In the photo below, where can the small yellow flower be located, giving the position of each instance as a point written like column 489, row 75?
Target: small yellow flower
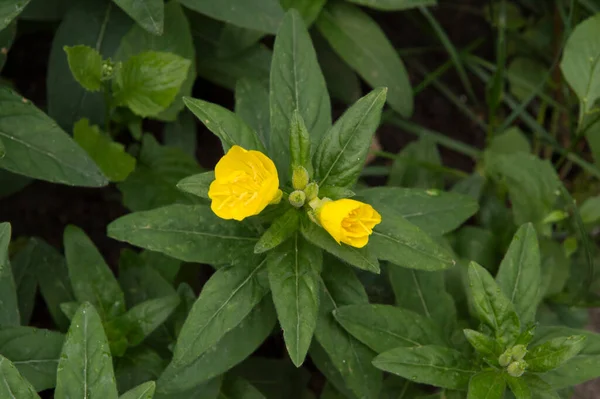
column 349, row 221
column 245, row 183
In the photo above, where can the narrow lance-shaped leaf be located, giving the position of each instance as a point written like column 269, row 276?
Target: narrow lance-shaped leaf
column 252, row 105
column 12, row 384
column 9, row 311
column 24, row 273
column 143, row 391
column 280, row 230
column 297, row 84
column 487, row 385
column 553, row 353
column 519, row 387
column 10, row 9
column 300, row 148
column 342, row 153
column 197, row 184
column 294, row 270
column 85, row 369
column 519, row 275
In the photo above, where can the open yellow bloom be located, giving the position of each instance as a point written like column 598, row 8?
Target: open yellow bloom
column 349, row 221
column 245, row 183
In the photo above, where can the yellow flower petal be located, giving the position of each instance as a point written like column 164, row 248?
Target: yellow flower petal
column 245, row 183
column 349, row 221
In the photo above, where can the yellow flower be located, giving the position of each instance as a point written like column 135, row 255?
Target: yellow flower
column 245, row 183
column 349, row 221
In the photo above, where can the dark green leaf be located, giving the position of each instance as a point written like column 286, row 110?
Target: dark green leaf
column 342, row 152
column 38, row 148
column 137, row 366
column 264, row 15
column 416, row 166
column 85, row 368
column 432, row 365
column 46, row 10
column 300, row 146
column 13, row 385
column 297, row 84
column 477, row 244
column 252, row 105
column 226, row 125
column 487, row 385
column 95, row 23
column 10, row 9
column 492, row 306
column 404, row 244
column 23, row 270
column 109, row 155
column 189, row 233
column 9, row 311
column 149, row 14
column 238, row 388
column 197, row 184
column 294, row 270
column 384, row 327
column 394, row 5
column 363, row 258
column 205, row 390
column 35, row 353
column 553, row 353
column 235, row 39
column 275, row 378
column 144, row 391
column 308, row 9
column 139, row 280
column 85, row 64
column 519, row 275
column 181, row 134
column 359, row 40
column 280, row 230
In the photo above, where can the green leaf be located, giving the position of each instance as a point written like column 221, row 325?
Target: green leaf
column 486, row 346
column 294, row 270
column 92, row 279
column 360, row 42
column 404, row 244
column 296, row 84
column 492, row 306
column 309, row 10
column 85, row 64
column 436, row 214
column 234, row 347
column 342, row 153
column 34, row 352
column 363, row 258
column 394, row 5
column 238, row 388
column 300, row 146
column 24, row 274
column 144, row 391
column 181, row 134
column 45, row 10
column 38, row 148
column 85, row 368
column 109, row 155
column 553, row 353
column 138, row 366
column 264, row 16
column 176, row 39
column 189, row 233
column 9, row 312
column 153, row 183
column 487, row 385
column 53, row 278
column 234, row 40
column 95, row 23
column 415, row 166
column 590, row 210
column 519, row 275
column 148, row 82
column 9, row 10
column 432, row 365
column 384, row 327
column 510, row 141
column 197, row 184
column 13, row 385
column 226, row 125
column 280, row 230
column 525, row 75
column 206, row 390
column 226, row 300
column 424, row 293
column 518, row 386
column 532, row 184
column 477, row 244
column 252, row 105
column 350, row 358
column 580, row 62
column 149, row 14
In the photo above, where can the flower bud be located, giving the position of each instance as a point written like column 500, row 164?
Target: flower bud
column 516, row 369
column 505, row 359
column 311, row 191
column 299, row 178
column 297, row 198
column 518, row 352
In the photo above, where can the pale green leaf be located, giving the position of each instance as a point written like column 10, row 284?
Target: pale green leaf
column 487, row 385
column 86, row 66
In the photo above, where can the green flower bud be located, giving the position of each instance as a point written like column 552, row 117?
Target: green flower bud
column 518, row 352
column 505, row 359
column 311, row 191
column 108, row 68
column 299, row 178
column 516, row 369
column 297, row 198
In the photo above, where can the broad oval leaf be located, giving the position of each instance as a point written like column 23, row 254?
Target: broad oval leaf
column 296, row 84
column 85, row 64
column 38, row 148
column 553, row 353
column 487, row 385
column 294, row 270
column 144, row 391
column 13, row 385
column 85, row 369
column 362, row 44
column 189, row 233
column 519, row 275
column 432, row 365
column 9, row 311
column 149, row 14
column 385, row 327
column 342, row 152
